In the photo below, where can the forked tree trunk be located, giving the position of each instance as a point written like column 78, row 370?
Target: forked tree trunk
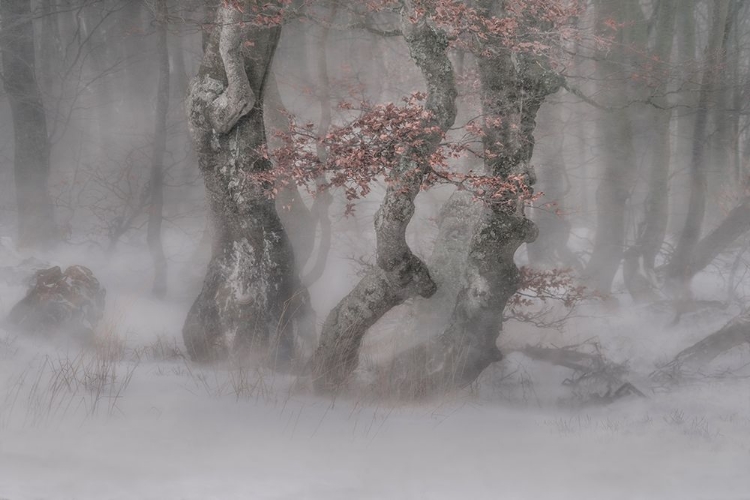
column 156, row 183
column 251, row 296
column 512, row 87
column 36, row 224
column 398, row 274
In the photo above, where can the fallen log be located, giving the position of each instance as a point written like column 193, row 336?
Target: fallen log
column 731, row 335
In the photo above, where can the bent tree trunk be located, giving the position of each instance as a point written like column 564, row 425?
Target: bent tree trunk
column 36, row 224
column 399, row 274
column 251, row 296
column 512, row 87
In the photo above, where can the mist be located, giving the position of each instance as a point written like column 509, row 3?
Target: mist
column 374, row 249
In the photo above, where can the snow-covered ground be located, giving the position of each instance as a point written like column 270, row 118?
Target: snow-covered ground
column 163, row 428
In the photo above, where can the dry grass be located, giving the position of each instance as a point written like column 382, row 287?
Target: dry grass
column 52, row 387
column 91, row 381
column 162, row 348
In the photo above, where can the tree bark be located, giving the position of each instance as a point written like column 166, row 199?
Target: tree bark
column 251, row 297
column 156, row 184
column 398, row 274
column 36, row 224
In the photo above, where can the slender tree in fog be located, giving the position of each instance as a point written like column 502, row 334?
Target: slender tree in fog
column 36, row 223
column 156, row 180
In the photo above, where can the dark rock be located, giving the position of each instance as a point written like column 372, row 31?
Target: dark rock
column 70, row 301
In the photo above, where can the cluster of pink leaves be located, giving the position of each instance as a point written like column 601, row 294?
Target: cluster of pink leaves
column 369, row 147
column 365, row 149
column 532, row 26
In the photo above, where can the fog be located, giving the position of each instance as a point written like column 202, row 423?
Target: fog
column 374, row 249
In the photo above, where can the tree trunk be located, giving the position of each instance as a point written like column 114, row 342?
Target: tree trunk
column 619, row 170
column 612, row 198
column 300, row 221
column 156, row 205
column 734, row 225
column 678, row 271
column 50, row 50
column 251, row 296
column 36, row 224
column 551, row 247
column 638, row 269
column 296, row 217
column 398, row 274
column 686, row 58
column 512, row 87
column 718, row 163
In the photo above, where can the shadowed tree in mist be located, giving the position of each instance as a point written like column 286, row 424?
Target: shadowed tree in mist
column 36, row 224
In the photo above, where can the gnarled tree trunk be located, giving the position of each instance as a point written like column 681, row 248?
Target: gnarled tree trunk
column 398, row 274
column 251, row 296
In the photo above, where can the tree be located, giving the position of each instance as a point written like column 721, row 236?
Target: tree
column 36, row 224
column 251, row 295
column 399, row 274
column 156, row 183
column 619, row 169
column 515, row 79
column 653, row 229
column 679, row 271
